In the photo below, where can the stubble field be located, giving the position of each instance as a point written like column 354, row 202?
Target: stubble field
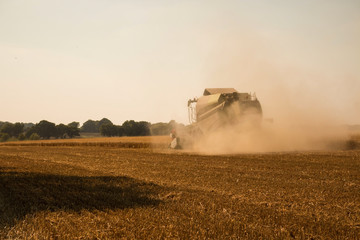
column 137, row 189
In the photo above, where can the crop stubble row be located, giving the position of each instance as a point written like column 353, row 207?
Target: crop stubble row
column 97, row 191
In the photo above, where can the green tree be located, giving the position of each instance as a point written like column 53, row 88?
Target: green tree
column 27, row 126
column 13, row 130
column 104, row 121
column 120, row 131
column 46, row 129
column 4, row 137
column 61, row 130
column 7, row 128
column 30, row 131
column 18, row 129
column 73, row 129
column 132, row 128
column 128, row 127
column 90, row 126
column 143, row 128
column 21, row 137
column 74, row 124
column 34, row 136
column 109, row 130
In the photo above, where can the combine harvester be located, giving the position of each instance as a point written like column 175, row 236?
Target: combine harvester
column 218, row 108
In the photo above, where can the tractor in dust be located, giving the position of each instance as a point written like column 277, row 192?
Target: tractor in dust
column 216, row 109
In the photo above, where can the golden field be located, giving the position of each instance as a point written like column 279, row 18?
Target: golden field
column 135, row 188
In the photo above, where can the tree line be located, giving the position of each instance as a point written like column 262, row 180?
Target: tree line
column 42, row 130
column 46, row 130
column 129, row 128
column 106, row 128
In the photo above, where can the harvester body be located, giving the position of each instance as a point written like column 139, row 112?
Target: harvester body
column 221, row 107
column 218, row 108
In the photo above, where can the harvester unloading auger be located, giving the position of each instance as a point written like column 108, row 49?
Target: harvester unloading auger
column 216, row 109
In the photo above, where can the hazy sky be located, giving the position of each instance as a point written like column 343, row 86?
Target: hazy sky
column 69, row 61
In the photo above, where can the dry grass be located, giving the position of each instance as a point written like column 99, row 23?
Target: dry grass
column 101, row 191
column 123, row 142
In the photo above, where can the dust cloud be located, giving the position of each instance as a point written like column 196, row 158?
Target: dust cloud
column 305, row 106
column 270, row 137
